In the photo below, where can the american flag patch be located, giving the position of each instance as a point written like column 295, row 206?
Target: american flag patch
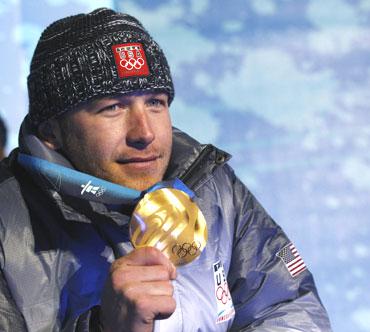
column 292, row 260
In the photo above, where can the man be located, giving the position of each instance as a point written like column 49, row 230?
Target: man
column 100, row 90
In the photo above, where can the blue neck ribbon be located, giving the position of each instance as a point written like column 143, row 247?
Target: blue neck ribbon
column 85, row 186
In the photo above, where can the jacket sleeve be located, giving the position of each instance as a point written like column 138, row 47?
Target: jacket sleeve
column 10, row 317
column 86, row 322
column 265, row 295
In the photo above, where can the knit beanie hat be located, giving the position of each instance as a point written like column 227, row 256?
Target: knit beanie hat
column 87, row 56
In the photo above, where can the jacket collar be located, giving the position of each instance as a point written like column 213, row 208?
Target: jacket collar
column 192, row 162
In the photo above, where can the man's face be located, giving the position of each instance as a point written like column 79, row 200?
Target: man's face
column 124, row 139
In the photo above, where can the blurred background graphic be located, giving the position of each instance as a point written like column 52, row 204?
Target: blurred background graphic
column 284, row 86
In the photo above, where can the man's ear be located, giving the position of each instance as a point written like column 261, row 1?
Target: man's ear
column 50, row 134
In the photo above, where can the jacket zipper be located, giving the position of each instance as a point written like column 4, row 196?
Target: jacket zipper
column 195, row 172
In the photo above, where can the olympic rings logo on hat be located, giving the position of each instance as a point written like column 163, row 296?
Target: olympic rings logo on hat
column 132, row 63
column 130, row 60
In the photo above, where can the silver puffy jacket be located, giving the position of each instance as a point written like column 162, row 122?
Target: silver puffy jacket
column 56, row 253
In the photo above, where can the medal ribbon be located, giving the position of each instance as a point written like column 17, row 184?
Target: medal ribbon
column 81, row 185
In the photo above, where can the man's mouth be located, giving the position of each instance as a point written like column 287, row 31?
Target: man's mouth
column 139, row 159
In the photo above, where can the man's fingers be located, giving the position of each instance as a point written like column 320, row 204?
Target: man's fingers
column 147, row 256
column 156, row 307
column 134, row 290
column 123, row 273
column 138, row 290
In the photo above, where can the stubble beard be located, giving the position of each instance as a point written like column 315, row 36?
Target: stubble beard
column 111, row 171
column 139, row 181
column 84, row 161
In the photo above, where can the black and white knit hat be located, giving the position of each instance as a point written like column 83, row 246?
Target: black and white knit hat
column 88, row 56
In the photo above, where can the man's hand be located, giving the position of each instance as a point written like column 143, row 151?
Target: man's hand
column 138, row 290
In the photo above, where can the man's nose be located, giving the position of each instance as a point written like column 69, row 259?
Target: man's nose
column 140, row 133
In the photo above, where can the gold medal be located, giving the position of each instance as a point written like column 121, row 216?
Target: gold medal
column 170, row 221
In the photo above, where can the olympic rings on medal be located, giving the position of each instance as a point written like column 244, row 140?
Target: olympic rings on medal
column 223, row 294
column 186, row 249
column 132, row 63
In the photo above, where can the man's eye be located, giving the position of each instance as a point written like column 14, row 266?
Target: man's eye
column 156, row 102
column 111, row 108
